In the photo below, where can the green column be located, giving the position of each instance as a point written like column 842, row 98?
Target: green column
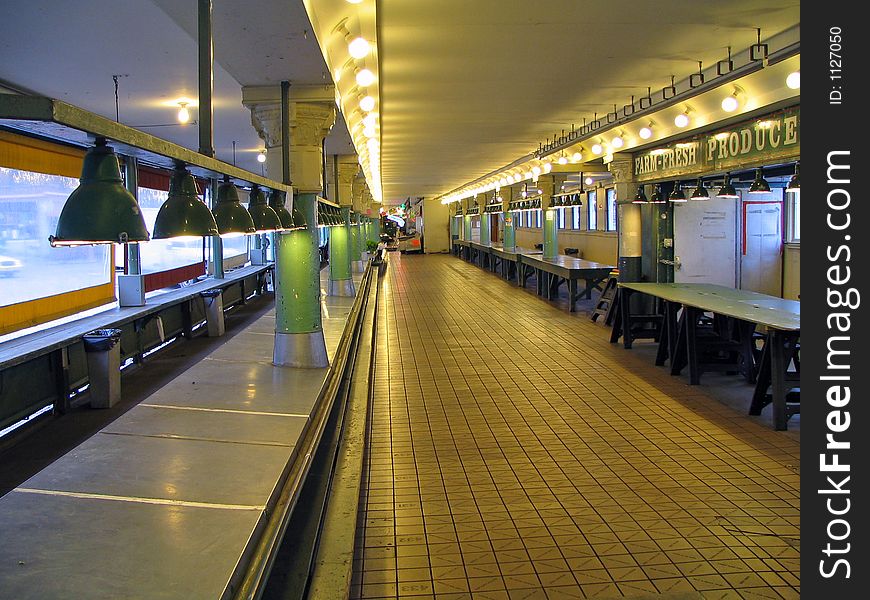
column 356, row 260
column 510, row 232
column 550, row 225
column 466, row 227
column 298, row 327
column 453, row 228
column 485, row 236
column 374, row 230
column 340, row 248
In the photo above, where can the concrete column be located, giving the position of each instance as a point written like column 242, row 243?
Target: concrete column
column 298, row 327
column 629, row 218
column 340, row 279
column 550, row 218
column 509, row 235
column 485, row 221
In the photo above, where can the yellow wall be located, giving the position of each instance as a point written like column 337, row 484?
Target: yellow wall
column 791, row 275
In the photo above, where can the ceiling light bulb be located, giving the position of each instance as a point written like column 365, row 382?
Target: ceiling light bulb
column 548, row 166
column 354, row 1
column 336, row 75
column 645, row 133
column 183, row 113
column 563, row 160
column 730, row 103
column 536, row 170
column 358, row 48
column 793, row 81
column 588, row 181
column 597, row 149
column 369, row 120
column 365, row 78
column 617, row 142
column 681, row 120
column 369, row 132
column 527, row 175
column 577, row 157
column 261, row 157
column 367, row 104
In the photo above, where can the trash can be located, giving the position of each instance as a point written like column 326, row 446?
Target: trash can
column 103, row 354
column 214, row 312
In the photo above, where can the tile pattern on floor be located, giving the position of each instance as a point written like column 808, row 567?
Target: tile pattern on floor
column 515, row 453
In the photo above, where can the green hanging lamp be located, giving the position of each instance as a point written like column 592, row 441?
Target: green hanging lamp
column 640, row 196
column 276, row 201
column 299, row 220
column 100, row 210
column 183, row 215
column 727, row 190
column 700, row 192
column 265, row 219
column 677, row 194
column 760, row 185
column 231, row 217
column 657, row 196
column 794, row 184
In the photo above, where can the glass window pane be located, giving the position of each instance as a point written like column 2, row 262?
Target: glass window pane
column 162, row 255
column 796, row 216
column 538, row 218
column 30, row 204
column 575, row 217
column 611, row 209
column 592, row 211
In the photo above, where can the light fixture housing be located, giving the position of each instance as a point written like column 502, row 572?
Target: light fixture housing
column 700, row 192
column 640, row 196
column 231, row 217
column 759, row 185
column 183, row 214
column 727, row 190
column 677, row 194
column 265, row 219
column 276, row 201
column 100, row 210
column 794, row 184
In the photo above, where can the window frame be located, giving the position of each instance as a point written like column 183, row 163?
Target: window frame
column 592, row 210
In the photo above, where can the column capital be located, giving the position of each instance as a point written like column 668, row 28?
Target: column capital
column 348, row 167
column 622, row 168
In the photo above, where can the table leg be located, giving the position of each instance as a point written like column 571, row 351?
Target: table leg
column 664, row 338
column 777, row 342
column 678, row 351
column 691, row 316
column 625, row 309
column 572, row 295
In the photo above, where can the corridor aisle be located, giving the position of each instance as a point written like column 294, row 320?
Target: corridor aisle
column 515, row 453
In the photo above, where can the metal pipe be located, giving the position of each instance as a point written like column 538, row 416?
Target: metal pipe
column 285, row 132
column 131, row 182
column 206, row 78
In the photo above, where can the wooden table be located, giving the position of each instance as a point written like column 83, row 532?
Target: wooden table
column 680, row 342
column 552, row 272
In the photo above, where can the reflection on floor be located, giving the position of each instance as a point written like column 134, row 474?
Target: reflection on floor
column 515, row 453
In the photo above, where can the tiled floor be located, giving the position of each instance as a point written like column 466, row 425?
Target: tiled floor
column 515, row 453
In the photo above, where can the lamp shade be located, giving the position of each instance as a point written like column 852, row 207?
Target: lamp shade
column 759, row 185
column 658, row 197
column 677, row 194
column 100, row 210
column 727, row 190
column 299, row 220
column 700, row 191
column 231, row 217
column 640, row 196
column 794, row 184
column 276, row 201
column 183, row 214
column 265, row 219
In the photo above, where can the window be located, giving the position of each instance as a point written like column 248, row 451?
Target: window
column 561, row 223
column 30, row 204
column 575, row 217
column 538, row 218
column 610, row 196
column 793, row 201
column 592, row 211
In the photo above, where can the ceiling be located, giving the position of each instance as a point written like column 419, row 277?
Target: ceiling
column 464, row 92
column 465, row 88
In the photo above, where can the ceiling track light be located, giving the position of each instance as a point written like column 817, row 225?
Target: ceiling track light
column 677, row 194
column 640, row 196
column 759, row 185
column 727, row 190
column 700, row 192
column 794, row 184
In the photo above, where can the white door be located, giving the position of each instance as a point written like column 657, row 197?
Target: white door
column 761, row 256
column 705, row 246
